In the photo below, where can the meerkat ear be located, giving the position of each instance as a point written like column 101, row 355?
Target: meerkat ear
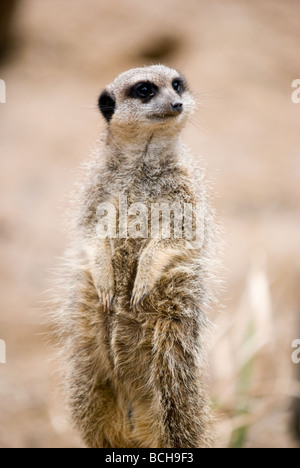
column 107, row 105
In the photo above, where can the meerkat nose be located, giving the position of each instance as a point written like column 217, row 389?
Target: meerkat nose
column 177, row 107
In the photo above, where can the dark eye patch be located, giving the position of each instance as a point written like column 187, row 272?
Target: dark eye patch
column 144, row 90
column 178, row 85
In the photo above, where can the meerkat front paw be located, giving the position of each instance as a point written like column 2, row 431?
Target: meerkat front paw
column 105, row 287
column 106, row 298
column 142, row 287
column 138, row 295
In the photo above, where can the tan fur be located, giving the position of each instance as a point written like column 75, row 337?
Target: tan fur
column 132, row 321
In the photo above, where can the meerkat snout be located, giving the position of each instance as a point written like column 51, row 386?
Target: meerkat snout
column 177, row 106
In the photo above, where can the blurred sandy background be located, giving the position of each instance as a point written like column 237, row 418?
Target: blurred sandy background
column 240, row 58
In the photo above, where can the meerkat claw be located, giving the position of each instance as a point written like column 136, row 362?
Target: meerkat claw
column 133, row 299
column 138, row 297
column 106, row 300
column 142, row 299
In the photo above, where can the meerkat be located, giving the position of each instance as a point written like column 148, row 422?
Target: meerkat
column 133, row 318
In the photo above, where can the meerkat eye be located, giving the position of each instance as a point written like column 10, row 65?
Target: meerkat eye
column 178, row 85
column 144, row 90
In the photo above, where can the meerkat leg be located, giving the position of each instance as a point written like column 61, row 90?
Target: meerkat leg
column 154, row 260
column 102, row 272
column 184, row 409
column 98, row 415
column 99, row 409
column 175, row 412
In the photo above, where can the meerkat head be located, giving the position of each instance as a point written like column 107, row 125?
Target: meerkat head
column 147, row 100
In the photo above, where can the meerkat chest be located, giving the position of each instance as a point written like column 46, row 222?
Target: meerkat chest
column 156, row 187
column 145, row 208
